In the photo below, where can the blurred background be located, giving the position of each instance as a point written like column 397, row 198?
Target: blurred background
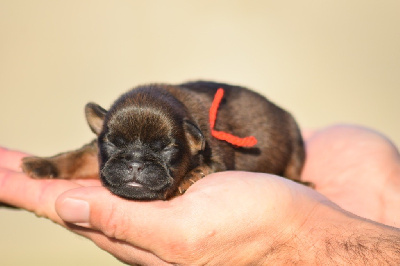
column 325, row 61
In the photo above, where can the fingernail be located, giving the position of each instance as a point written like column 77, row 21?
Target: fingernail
column 74, row 211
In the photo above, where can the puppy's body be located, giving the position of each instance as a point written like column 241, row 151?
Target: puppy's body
column 156, row 140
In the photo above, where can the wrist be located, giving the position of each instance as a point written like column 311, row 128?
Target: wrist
column 332, row 235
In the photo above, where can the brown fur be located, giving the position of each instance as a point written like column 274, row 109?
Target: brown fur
column 149, row 113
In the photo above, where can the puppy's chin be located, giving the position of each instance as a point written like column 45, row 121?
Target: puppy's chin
column 135, row 191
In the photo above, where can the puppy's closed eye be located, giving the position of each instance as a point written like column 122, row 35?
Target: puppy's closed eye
column 161, row 145
column 117, row 141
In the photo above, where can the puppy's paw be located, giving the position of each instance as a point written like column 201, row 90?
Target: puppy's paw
column 192, row 177
column 37, row 167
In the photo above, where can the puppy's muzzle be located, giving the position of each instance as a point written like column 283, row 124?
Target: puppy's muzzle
column 135, row 169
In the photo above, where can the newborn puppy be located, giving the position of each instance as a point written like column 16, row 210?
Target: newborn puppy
column 156, row 140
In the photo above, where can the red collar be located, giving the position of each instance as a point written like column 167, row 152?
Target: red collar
column 240, row 142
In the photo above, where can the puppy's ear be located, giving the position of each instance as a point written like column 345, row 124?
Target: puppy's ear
column 95, row 117
column 194, row 136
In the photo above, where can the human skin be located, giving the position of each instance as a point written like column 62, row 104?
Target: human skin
column 358, row 169
column 239, row 217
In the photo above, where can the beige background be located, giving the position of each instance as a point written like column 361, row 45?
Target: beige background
column 325, row 61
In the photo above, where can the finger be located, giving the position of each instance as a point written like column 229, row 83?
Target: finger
column 135, row 222
column 121, row 250
column 34, row 195
column 10, row 159
column 39, row 196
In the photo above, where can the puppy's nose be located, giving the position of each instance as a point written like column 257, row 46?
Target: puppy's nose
column 135, row 167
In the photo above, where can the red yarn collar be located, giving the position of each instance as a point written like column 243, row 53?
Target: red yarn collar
column 221, row 135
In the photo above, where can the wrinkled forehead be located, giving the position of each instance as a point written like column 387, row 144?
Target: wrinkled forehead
column 142, row 123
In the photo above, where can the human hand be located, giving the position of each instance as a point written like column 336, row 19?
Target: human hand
column 186, row 230
column 358, row 169
column 190, row 229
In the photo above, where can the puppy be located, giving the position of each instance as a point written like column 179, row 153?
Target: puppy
column 156, row 140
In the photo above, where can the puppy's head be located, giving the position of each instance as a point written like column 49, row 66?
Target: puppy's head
column 145, row 149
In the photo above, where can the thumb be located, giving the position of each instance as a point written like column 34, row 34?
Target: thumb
column 142, row 224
